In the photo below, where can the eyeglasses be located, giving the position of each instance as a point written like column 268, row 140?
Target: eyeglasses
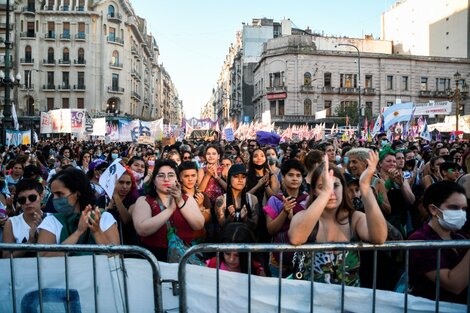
column 31, row 198
column 163, row 175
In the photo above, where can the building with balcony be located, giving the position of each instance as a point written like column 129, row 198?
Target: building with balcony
column 96, row 55
column 294, row 79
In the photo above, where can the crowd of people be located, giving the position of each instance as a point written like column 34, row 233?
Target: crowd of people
column 242, row 192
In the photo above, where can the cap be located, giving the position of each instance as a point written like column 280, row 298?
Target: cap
column 237, row 169
column 350, row 179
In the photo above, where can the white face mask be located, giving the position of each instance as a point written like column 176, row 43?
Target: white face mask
column 138, row 176
column 452, row 219
column 337, row 158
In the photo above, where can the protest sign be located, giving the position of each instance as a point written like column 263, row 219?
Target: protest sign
column 110, row 176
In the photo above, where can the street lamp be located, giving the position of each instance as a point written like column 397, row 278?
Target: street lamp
column 456, row 97
column 6, row 78
column 359, row 107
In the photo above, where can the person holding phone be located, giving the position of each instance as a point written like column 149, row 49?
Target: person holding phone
column 23, row 228
column 165, row 203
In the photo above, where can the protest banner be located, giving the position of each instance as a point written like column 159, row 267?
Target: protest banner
column 110, row 176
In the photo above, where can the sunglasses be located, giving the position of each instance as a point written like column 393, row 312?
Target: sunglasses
column 31, row 198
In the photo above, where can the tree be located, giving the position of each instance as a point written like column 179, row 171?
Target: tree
column 350, row 109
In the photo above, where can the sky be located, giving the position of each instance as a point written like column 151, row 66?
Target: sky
column 194, row 35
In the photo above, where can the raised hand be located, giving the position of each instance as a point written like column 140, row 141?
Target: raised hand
column 83, row 222
column 199, row 198
column 93, row 220
column 366, row 176
column 327, row 176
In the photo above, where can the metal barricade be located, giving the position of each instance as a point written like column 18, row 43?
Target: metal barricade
column 405, row 246
column 69, row 295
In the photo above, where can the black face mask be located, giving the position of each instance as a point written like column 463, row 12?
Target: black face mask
column 258, row 166
column 410, row 163
column 357, row 203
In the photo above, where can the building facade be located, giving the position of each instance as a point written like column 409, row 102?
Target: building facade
column 95, row 55
column 442, row 28
column 294, row 79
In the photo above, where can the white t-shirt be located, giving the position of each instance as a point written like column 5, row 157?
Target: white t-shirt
column 20, row 228
column 53, row 225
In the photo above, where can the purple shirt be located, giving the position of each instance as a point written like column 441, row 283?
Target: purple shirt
column 423, row 261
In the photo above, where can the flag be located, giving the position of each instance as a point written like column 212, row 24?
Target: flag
column 35, row 137
column 425, row 134
column 16, row 125
column 377, row 125
column 397, row 113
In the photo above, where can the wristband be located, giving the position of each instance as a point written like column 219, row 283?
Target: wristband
column 180, row 207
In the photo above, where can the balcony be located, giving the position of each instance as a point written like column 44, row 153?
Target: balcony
column 136, row 75
column 369, row 91
column 441, row 94
column 63, row 62
column 80, row 8
column 115, row 89
column 115, row 17
column 64, row 87
column 65, row 8
column 276, row 89
column 116, row 65
column 48, row 8
column 134, row 50
column 116, row 40
column 29, row 9
column 49, row 62
column 49, row 35
column 80, row 36
column 426, row 93
column 79, row 62
column 79, row 87
column 306, row 88
column 26, row 87
column 146, row 100
column 48, row 87
column 65, row 36
column 27, row 61
column 348, row 91
column 27, row 35
column 330, row 90
column 135, row 95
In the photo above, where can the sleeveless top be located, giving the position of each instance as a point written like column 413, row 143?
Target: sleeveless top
column 213, row 188
column 329, row 264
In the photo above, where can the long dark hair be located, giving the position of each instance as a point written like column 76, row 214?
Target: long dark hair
column 345, row 204
column 238, row 233
column 252, row 179
column 230, row 200
column 75, row 180
column 152, row 192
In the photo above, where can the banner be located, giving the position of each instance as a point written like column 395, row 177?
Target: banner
column 433, row 108
column 61, row 121
column 112, row 130
column 46, row 123
column 77, row 120
column 125, row 128
column 17, row 137
column 195, row 123
column 110, row 176
column 99, row 127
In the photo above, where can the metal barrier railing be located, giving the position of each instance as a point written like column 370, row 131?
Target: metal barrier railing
column 94, row 249
column 406, row 246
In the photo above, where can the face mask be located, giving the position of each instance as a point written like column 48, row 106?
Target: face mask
column 452, row 219
column 337, row 158
column 151, row 162
column 357, row 203
column 272, row 160
column 138, row 176
column 384, row 142
column 114, row 156
column 258, row 166
column 346, row 160
column 62, row 205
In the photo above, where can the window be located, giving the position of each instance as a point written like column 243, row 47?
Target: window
column 50, row 30
column 115, row 58
column 424, row 84
column 281, row 107
column 65, row 80
column 115, row 82
column 307, row 107
column 368, row 83
column 276, row 79
column 81, row 79
column 80, row 103
column 50, row 104
column 348, row 80
column 27, row 54
column 81, row 5
column 404, row 83
column 111, row 11
column 327, row 107
column 30, row 29
column 442, row 84
column 50, row 79
column 81, row 56
column 327, row 78
column 81, row 30
column 27, row 78
column 389, row 82
column 65, row 103
column 112, row 34
column 66, row 5
column 66, row 30
column 66, row 55
column 307, row 79
column 272, row 107
column 50, row 55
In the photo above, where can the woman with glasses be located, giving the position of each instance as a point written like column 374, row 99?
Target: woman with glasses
column 76, row 221
column 165, row 206
column 23, row 228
